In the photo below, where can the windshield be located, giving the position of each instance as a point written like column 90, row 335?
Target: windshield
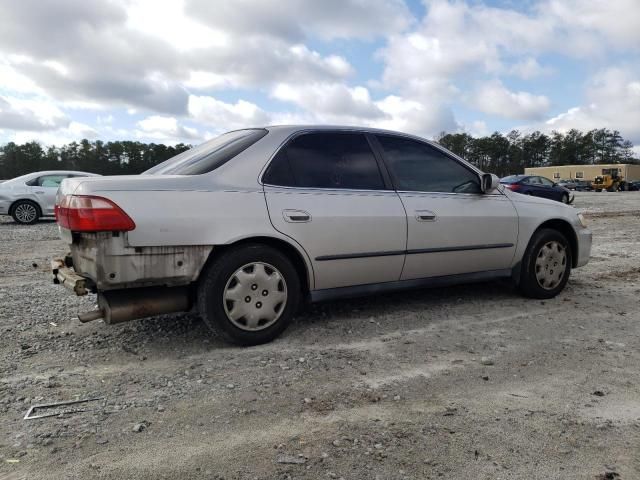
column 210, row 155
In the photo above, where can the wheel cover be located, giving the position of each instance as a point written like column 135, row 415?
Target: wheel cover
column 26, row 213
column 255, row 296
column 551, row 264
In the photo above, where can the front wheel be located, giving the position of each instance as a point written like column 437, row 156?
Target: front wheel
column 565, row 198
column 546, row 265
column 249, row 294
column 25, row 212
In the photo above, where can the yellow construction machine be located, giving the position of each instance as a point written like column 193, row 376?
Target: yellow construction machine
column 610, row 180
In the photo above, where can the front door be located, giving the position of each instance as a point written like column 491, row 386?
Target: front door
column 453, row 228
column 325, row 190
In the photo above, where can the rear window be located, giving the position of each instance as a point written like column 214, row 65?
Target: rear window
column 210, row 155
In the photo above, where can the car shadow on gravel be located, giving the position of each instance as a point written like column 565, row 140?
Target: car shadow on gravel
column 187, row 334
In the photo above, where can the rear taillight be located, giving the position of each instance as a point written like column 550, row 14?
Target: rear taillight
column 87, row 213
column 514, row 187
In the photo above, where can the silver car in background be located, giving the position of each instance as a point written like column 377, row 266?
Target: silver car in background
column 255, row 221
column 31, row 196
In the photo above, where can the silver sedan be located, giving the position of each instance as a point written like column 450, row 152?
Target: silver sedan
column 255, row 221
column 31, row 196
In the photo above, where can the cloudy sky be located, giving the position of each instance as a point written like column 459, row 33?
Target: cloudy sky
column 185, row 70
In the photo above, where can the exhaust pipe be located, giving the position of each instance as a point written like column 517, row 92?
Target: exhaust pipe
column 117, row 306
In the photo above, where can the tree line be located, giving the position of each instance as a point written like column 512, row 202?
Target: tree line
column 106, row 158
column 496, row 153
column 512, row 153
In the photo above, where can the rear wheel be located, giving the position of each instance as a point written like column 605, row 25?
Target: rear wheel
column 546, row 265
column 25, row 212
column 565, row 198
column 249, row 294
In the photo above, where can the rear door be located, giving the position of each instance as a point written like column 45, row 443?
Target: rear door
column 453, row 228
column 45, row 189
column 326, row 191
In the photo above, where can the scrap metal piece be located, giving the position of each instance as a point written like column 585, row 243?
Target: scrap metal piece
column 29, row 416
column 65, row 276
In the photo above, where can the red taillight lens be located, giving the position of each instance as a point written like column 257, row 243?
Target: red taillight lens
column 84, row 213
column 514, row 187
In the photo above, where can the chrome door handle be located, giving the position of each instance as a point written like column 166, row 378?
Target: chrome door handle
column 425, row 216
column 296, row 216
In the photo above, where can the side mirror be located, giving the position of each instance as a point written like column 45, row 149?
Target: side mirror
column 489, row 182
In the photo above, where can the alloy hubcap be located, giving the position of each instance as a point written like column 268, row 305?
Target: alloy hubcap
column 255, row 296
column 551, row 265
column 26, row 213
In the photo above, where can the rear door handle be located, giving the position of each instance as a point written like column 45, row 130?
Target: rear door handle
column 425, row 216
column 296, row 216
column 40, row 192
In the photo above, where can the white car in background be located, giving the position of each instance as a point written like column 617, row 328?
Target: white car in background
column 31, row 196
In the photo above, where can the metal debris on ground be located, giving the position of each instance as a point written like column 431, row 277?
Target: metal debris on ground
column 29, row 415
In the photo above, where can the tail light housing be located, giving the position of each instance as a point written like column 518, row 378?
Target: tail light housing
column 88, row 213
column 514, row 187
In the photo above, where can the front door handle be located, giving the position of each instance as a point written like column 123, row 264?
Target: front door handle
column 296, row 216
column 425, row 216
column 40, row 192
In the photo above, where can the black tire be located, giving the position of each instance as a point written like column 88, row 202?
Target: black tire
column 214, row 281
column 21, row 208
column 529, row 284
column 565, row 198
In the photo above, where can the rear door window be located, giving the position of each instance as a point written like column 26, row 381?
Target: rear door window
column 334, row 160
column 52, row 181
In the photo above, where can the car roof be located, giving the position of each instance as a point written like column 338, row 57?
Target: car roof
column 291, row 129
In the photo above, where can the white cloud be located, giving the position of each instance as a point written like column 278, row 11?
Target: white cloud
column 495, row 99
column 528, row 68
column 30, row 114
column 296, row 19
column 410, row 116
column 331, row 102
column 587, row 24
column 169, row 22
column 74, row 132
column 222, row 116
column 166, row 129
column 337, row 104
column 613, row 102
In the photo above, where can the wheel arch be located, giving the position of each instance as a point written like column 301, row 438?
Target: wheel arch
column 567, row 230
column 302, row 266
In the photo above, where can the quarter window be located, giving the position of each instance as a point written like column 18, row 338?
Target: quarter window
column 326, row 160
column 417, row 166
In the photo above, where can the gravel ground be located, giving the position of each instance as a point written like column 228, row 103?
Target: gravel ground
column 471, row 382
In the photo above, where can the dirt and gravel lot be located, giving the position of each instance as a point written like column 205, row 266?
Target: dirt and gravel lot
column 471, row 382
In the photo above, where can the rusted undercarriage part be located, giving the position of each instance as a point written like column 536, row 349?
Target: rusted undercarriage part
column 116, row 306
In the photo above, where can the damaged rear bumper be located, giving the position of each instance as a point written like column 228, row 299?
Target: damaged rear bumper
column 121, row 305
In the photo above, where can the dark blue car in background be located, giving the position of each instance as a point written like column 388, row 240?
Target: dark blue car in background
column 538, row 187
